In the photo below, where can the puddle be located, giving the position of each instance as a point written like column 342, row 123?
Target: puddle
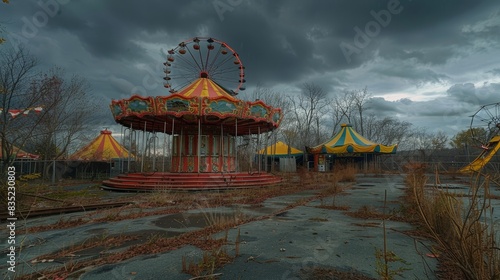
column 193, row 220
column 182, row 220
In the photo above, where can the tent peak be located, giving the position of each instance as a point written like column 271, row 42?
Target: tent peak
column 105, row 131
column 346, row 125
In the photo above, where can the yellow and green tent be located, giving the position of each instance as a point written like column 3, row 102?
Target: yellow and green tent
column 348, row 141
column 280, row 149
column 103, row 148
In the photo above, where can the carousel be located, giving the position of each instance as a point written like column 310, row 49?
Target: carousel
column 201, row 121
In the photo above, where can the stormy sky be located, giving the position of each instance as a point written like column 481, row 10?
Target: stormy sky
column 432, row 63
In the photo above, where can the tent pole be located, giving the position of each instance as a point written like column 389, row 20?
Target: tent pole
column 275, row 144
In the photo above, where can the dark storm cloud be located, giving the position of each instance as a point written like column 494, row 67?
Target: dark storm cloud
column 379, row 104
column 411, row 72
column 475, row 96
column 279, row 41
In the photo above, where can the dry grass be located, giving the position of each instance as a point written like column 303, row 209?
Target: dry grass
column 461, row 228
column 209, row 263
column 345, row 173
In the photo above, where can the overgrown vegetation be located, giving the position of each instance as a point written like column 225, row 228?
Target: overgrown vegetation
column 462, row 227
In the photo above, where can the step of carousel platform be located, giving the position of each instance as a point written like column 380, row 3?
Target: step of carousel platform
column 189, row 181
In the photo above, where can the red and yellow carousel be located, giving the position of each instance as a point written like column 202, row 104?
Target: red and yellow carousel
column 203, row 119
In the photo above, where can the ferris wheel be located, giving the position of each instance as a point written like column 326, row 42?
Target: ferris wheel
column 202, row 57
column 487, row 118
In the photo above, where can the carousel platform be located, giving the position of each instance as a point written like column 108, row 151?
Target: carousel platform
column 159, row 181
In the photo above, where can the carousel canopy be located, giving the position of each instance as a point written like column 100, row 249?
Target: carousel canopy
column 203, row 101
column 280, row 149
column 347, row 140
column 103, row 148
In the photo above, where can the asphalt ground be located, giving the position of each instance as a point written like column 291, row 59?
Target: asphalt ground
column 279, row 244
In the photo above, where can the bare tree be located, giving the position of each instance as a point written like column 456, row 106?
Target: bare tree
column 359, row 99
column 343, row 103
column 308, row 110
column 389, row 131
column 349, row 107
column 17, row 68
column 70, row 114
column 439, row 140
column 337, row 116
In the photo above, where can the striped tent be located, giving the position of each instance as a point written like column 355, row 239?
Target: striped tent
column 280, row 149
column 348, row 141
column 103, row 148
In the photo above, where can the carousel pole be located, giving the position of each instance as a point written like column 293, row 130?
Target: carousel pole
column 164, row 145
column 172, row 147
column 258, row 147
column 199, row 144
column 121, row 157
column 236, row 147
column 221, row 147
column 143, row 147
column 251, row 161
column 129, row 147
column 181, row 147
column 154, row 150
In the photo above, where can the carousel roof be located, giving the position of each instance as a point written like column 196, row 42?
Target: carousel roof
column 205, row 88
column 201, row 101
column 347, row 140
column 103, row 148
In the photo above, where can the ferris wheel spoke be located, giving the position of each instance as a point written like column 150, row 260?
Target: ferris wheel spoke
column 195, row 60
column 192, row 63
column 214, row 60
column 223, row 64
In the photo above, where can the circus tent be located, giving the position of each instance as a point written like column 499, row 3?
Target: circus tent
column 348, row 141
column 349, row 145
column 280, row 149
column 103, row 148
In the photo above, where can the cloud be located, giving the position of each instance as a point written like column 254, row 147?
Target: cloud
column 469, row 93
